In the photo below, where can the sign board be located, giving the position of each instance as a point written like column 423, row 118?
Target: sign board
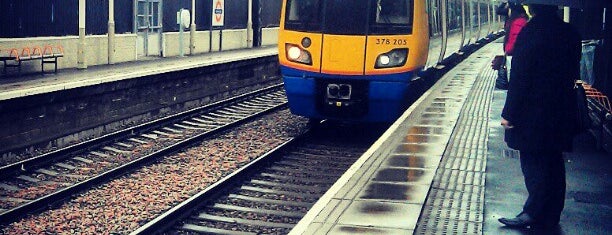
column 183, row 18
column 218, row 12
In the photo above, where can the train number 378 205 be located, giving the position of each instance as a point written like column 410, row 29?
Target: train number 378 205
column 386, row 41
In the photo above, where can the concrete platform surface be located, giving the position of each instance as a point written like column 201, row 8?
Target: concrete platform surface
column 12, row 86
column 588, row 201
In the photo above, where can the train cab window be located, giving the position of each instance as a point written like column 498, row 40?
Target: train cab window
column 350, row 17
column 345, row 17
column 303, row 15
column 391, row 17
column 392, row 12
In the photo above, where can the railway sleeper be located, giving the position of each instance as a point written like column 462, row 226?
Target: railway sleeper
column 208, row 230
column 319, row 165
column 47, row 172
column 281, row 192
column 221, row 116
column 150, row 136
column 298, row 156
column 99, row 154
column 162, row 133
column 247, row 107
column 343, row 150
column 310, row 188
column 290, row 214
column 215, row 218
column 270, row 201
column 231, row 114
column 115, row 150
column 84, row 160
column 210, row 126
column 172, row 130
column 238, row 110
column 258, row 105
column 208, row 120
column 337, row 173
column 296, row 180
column 189, row 127
column 322, row 151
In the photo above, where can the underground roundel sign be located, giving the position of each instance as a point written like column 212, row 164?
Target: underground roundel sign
column 218, row 12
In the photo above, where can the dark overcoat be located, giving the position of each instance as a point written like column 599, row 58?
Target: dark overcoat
column 541, row 102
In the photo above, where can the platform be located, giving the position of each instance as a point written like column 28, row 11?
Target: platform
column 12, row 86
column 55, row 110
column 443, row 168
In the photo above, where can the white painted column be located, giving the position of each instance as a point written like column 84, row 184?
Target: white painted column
column 81, row 63
column 192, row 28
column 566, row 14
column 250, row 25
column 111, row 31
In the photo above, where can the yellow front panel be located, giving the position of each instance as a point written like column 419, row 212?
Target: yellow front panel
column 417, row 44
column 294, row 37
column 343, row 55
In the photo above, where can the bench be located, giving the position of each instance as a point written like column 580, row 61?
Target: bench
column 46, row 55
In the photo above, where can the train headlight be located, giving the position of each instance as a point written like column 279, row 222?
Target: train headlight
column 296, row 54
column 384, row 59
column 393, row 58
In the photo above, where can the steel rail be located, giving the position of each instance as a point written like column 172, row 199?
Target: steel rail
column 59, row 196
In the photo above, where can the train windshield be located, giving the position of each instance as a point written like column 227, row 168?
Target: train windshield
column 345, row 17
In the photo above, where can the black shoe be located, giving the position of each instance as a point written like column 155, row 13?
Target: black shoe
column 522, row 220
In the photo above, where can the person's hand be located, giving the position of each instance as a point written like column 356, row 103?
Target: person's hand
column 506, row 124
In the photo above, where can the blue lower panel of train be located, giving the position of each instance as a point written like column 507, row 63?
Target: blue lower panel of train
column 358, row 98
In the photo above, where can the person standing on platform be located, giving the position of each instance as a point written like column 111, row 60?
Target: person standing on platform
column 539, row 114
column 515, row 21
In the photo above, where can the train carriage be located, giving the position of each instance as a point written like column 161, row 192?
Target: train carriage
column 357, row 60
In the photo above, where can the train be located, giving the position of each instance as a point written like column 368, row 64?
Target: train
column 359, row 61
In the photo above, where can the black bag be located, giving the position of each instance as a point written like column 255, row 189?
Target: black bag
column 583, row 120
column 502, row 79
column 498, row 62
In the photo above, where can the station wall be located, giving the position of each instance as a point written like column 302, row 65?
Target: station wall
column 56, row 23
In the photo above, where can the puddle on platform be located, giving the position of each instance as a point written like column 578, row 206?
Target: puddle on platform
column 436, row 122
column 357, row 230
column 445, row 105
column 381, row 191
column 374, row 209
column 381, row 214
column 407, row 160
column 399, row 175
column 438, row 115
column 429, row 130
column 437, row 110
column 421, row 149
column 447, row 100
column 453, row 93
column 416, row 139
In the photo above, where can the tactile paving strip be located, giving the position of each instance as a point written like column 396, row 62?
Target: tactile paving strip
column 455, row 204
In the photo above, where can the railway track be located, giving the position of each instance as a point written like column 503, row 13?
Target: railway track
column 44, row 180
column 271, row 194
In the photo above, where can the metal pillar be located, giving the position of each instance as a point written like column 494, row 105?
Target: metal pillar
column 81, row 63
column 250, row 25
column 192, row 28
column 181, row 26
column 111, row 31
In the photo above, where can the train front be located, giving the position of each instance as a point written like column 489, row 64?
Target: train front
column 351, row 60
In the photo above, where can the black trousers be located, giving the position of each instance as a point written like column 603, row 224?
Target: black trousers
column 544, row 173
